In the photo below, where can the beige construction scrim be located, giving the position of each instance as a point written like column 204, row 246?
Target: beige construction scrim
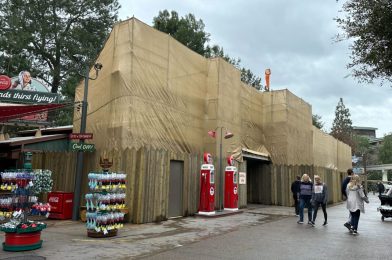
column 154, row 92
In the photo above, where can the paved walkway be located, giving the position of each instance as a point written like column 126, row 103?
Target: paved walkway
column 261, row 232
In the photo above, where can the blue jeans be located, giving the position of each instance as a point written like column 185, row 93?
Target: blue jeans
column 302, row 204
column 355, row 219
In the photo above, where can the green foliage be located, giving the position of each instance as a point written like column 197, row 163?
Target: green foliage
column 374, row 175
column 190, row 32
column 217, row 51
column 186, row 30
column 342, row 125
column 249, row 78
column 361, row 145
column 44, row 36
column 64, row 116
column 316, row 120
column 367, row 24
column 385, row 153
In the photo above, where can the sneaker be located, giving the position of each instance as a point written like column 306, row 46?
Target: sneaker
column 347, row 225
column 325, row 223
column 300, row 222
column 297, row 215
column 354, row 232
column 311, row 223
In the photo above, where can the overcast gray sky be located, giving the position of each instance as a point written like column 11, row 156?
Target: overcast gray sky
column 294, row 38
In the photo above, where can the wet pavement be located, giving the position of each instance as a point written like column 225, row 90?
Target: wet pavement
column 260, row 232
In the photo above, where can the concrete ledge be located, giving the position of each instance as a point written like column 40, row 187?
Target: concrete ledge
column 220, row 214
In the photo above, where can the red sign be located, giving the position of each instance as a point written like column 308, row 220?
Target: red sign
column 81, row 136
column 5, row 82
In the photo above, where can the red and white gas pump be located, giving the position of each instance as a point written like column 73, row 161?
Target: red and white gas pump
column 207, row 187
column 231, row 186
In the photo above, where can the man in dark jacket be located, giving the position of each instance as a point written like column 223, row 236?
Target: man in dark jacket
column 344, row 194
column 380, row 188
column 295, row 189
column 345, row 182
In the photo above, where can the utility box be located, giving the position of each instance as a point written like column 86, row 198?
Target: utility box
column 61, row 204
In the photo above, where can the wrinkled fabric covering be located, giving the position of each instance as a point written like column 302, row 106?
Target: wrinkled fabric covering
column 155, row 92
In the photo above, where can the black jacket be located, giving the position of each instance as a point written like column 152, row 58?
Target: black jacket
column 296, row 187
column 380, row 187
column 344, row 185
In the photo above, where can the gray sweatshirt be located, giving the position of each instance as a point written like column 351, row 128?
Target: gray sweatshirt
column 320, row 193
column 355, row 198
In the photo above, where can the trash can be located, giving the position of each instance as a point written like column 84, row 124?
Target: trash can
column 61, row 204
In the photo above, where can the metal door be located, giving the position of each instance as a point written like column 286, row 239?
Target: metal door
column 176, row 181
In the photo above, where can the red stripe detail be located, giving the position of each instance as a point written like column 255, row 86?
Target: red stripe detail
column 23, row 239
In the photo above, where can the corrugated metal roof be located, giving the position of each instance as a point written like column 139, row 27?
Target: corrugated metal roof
column 47, row 129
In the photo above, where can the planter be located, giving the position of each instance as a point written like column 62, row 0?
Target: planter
column 22, row 241
column 94, row 234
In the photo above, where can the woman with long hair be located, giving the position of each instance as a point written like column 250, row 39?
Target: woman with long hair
column 355, row 199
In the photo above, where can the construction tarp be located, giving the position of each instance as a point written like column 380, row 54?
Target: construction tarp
column 155, row 92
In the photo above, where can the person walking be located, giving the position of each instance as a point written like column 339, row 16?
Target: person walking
column 319, row 198
column 380, row 188
column 355, row 199
column 345, row 182
column 295, row 189
column 305, row 195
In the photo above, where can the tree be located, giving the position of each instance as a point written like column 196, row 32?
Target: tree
column 368, row 25
column 44, row 37
column 316, row 120
column 247, row 75
column 190, row 32
column 186, row 30
column 342, row 126
column 385, row 154
column 251, row 79
column 217, row 51
column 361, row 145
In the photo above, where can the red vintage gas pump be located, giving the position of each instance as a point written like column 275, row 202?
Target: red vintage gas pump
column 231, row 185
column 207, row 187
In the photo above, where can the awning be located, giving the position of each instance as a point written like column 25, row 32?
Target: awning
column 240, row 153
column 247, row 153
column 18, row 111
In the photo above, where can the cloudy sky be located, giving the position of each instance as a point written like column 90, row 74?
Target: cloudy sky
column 295, row 39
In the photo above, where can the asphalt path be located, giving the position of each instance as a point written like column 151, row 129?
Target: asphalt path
column 260, row 232
column 285, row 239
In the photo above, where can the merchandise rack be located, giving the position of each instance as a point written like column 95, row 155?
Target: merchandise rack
column 105, row 202
column 15, row 203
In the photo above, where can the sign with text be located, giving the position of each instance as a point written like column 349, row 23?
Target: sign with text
column 82, row 147
column 242, row 177
column 81, row 136
column 30, row 97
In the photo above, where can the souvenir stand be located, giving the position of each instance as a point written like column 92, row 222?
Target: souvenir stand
column 105, row 201
column 17, row 202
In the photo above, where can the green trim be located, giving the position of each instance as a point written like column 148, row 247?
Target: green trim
column 22, row 248
column 61, row 145
column 29, row 97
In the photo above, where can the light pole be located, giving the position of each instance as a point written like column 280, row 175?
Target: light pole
column 79, row 161
column 228, row 135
